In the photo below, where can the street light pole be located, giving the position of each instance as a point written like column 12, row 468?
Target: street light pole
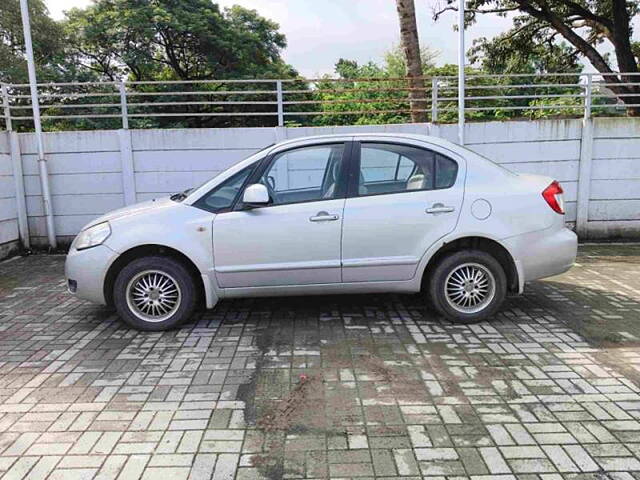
column 35, row 105
column 461, row 78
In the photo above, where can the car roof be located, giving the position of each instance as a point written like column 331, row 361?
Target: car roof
column 383, row 136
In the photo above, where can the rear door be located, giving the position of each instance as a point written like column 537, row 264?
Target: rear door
column 402, row 198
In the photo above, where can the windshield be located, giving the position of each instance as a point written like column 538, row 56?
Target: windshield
column 180, row 196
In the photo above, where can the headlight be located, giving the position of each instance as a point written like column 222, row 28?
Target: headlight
column 92, row 236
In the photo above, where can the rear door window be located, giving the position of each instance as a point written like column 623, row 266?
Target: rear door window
column 396, row 168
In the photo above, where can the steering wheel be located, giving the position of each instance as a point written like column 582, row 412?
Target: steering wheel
column 269, row 182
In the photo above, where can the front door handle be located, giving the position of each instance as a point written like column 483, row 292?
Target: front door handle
column 439, row 208
column 324, row 217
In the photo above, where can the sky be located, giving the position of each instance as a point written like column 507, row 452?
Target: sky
column 320, row 32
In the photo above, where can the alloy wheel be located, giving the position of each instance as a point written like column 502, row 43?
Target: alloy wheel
column 153, row 295
column 469, row 288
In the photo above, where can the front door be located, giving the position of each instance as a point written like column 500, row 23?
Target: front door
column 295, row 240
column 402, row 199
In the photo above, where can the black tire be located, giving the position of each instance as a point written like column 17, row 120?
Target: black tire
column 459, row 261
column 182, row 303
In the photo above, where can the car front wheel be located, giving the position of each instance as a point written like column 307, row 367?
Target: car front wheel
column 154, row 293
column 468, row 286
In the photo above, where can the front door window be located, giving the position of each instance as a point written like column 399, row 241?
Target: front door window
column 304, row 174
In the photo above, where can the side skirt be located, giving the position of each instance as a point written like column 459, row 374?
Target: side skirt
column 324, row 289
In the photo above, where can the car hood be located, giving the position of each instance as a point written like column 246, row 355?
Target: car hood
column 131, row 210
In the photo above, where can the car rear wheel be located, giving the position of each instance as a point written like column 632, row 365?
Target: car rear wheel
column 468, row 286
column 154, row 293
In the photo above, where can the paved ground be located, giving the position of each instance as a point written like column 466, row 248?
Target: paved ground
column 356, row 386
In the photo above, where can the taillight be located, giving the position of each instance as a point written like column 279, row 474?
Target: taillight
column 553, row 195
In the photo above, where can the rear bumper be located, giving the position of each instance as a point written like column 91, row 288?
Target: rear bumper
column 544, row 253
column 88, row 269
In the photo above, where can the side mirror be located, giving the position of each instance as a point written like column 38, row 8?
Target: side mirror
column 255, row 195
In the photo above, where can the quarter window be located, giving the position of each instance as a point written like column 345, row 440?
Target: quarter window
column 392, row 168
column 223, row 196
column 446, row 172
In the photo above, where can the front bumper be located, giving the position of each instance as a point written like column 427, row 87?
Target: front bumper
column 544, row 253
column 88, row 269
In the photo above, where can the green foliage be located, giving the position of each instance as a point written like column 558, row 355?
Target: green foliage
column 48, row 42
column 554, row 107
column 368, row 94
column 175, row 39
column 556, row 35
column 551, row 35
column 524, row 52
column 383, row 98
column 147, row 40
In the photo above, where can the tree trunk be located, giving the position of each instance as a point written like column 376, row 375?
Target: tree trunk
column 625, row 56
column 626, row 88
column 633, row 103
column 411, row 48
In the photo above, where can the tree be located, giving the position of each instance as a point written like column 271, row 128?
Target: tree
column 175, row 39
column 411, row 47
column 191, row 40
column 583, row 25
column 47, row 42
column 53, row 64
column 146, row 40
column 521, row 55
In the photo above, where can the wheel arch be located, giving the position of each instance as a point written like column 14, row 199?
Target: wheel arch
column 145, row 251
column 485, row 244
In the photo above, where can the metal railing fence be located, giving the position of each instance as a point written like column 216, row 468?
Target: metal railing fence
column 267, row 102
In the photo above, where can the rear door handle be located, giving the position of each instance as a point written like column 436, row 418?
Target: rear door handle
column 324, row 217
column 439, row 208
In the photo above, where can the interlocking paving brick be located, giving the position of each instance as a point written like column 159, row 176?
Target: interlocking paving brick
column 318, row 387
column 494, row 460
column 73, row 474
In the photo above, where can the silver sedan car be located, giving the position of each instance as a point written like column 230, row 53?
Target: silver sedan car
column 326, row 215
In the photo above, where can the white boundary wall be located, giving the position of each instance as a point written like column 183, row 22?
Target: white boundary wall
column 9, row 235
column 93, row 172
